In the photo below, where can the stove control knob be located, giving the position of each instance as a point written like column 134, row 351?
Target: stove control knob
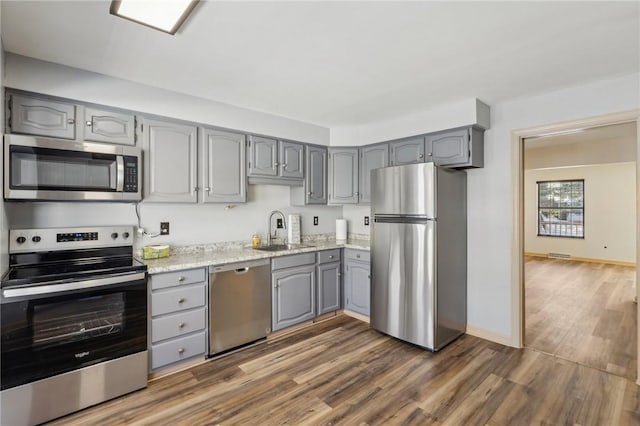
column 114, row 235
column 36, row 239
column 21, row 240
column 125, row 235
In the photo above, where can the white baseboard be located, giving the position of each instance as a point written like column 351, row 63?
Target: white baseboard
column 502, row 339
column 356, row 315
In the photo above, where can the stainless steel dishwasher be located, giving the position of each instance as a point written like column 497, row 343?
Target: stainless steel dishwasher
column 239, row 304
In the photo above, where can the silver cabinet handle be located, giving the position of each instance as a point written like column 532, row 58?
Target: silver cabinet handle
column 309, row 193
column 429, row 154
column 276, row 164
column 207, row 189
column 357, row 193
column 196, row 189
column 181, row 350
column 181, row 325
column 421, row 156
column 89, row 123
column 358, row 256
column 181, row 300
column 330, row 256
column 180, row 279
column 71, row 120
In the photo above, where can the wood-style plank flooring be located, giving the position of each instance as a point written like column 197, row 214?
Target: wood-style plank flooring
column 342, row 372
column 582, row 312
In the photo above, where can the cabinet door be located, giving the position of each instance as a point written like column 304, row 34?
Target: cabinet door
column 407, row 151
column 449, row 148
column 170, row 160
column 293, row 296
column 291, row 160
column 343, row 176
column 328, row 287
column 108, row 126
column 222, row 167
column 316, row 178
column 371, row 157
column 42, row 117
column 358, row 287
column 263, row 156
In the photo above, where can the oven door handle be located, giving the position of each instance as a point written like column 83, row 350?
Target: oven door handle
column 52, row 289
column 119, row 173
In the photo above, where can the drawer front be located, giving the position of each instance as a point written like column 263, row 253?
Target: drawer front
column 177, row 299
column 360, row 255
column 178, row 324
column 329, row 256
column 171, row 279
column 292, row 261
column 177, row 350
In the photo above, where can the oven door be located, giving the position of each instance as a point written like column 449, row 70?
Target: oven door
column 48, row 169
column 51, row 328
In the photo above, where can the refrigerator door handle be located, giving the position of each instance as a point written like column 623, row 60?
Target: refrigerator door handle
column 402, row 219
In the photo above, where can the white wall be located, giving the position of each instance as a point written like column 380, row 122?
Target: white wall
column 610, row 212
column 489, row 190
column 355, row 219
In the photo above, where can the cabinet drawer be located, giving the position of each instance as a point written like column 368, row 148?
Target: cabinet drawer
column 177, row 299
column 171, row 279
column 360, row 255
column 329, row 256
column 178, row 324
column 177, row 350
column 291, row 261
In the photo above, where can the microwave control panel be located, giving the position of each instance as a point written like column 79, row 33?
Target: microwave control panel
column 130, row 174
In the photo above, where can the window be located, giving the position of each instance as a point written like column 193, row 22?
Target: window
column 561, row 208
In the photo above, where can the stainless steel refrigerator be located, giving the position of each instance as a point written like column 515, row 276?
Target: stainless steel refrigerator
column 419, row 253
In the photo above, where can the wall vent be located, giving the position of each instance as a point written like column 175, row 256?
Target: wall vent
column 559, row 255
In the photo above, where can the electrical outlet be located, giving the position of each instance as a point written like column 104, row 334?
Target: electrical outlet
column 164, row 228
column 279, row 223
column 366, row 221
column 315, row 221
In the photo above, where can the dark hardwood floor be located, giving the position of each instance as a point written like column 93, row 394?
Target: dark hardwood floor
column 582, row 312
column 342, row 372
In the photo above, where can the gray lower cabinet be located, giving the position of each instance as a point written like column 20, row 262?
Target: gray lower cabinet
column 314, row 190
column 170, row 159
column 457, row 148
column 42, row 117
column 357, row 283
column 178, row 316
column 343, row 176
column 371, row 157
column 407, row 151
column 328, row 275
column 102, row 125
column 222, row 167
column 293, row 281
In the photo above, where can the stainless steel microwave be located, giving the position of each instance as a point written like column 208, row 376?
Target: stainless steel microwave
column 38, row 168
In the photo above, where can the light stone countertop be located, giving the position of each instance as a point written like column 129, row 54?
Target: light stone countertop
column 201, row 256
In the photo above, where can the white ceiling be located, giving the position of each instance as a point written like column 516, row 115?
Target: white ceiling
column 341, row 63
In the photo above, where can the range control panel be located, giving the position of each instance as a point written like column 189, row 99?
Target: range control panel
column 46, row 239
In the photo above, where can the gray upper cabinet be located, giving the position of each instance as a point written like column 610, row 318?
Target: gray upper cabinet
column 42, row 117
column 222, row 167
column 328, row 275
column 170, row 159
column 314, row 190
column 101, row 125
column 291, row 160
column 407, row 151
column 343, row 176
column 457, row 148
column 263, row 156
column 293, row 296
column 371, row 157
column 357, row 286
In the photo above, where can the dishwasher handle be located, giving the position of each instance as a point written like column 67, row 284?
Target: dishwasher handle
column 242, row 270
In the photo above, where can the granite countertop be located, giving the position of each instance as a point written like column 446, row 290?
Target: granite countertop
column 220, row 254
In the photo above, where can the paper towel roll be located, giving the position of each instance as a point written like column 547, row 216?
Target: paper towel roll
column 341, row 230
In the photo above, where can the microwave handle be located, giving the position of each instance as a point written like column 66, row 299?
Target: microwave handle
column 119, row 173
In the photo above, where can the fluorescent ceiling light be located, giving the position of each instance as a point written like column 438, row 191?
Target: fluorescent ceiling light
column 163, row 15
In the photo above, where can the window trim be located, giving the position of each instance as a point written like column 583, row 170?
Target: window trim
column 561, row 208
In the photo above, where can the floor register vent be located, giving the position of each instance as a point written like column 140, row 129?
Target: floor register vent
column 559, row 255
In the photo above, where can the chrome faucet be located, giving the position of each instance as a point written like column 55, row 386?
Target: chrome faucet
column 275, row 233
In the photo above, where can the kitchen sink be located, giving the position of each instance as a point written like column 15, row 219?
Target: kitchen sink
column 281, row 247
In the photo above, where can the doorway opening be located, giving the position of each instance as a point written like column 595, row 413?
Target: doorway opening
column 579, row 229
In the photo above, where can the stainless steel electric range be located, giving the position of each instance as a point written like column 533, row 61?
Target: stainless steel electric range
column 73, row 320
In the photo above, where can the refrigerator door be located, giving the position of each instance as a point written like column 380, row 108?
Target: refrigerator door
column 403, row 279
column 407, row 190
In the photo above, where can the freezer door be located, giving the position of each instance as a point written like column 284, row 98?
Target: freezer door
column 403, row 280
column 404, row 190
